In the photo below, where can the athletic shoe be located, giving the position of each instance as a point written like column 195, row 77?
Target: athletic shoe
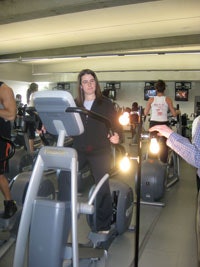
column 10, row 208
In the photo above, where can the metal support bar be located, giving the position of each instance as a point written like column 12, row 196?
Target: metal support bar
column 137, row 233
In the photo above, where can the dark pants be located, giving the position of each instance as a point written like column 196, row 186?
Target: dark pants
column 163, row 155
column 5, row 131
column 100, row 164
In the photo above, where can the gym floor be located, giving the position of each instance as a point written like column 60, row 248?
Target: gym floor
column 167, row 234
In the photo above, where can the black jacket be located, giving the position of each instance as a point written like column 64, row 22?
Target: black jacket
column 95, row 136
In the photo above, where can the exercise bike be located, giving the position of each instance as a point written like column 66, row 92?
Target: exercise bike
column 47, row 224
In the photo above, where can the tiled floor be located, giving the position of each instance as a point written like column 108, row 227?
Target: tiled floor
column 173, row 240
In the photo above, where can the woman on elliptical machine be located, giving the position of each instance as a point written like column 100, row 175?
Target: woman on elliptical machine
column 94, row 145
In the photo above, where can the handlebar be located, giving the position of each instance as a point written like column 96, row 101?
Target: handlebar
column 91, row 114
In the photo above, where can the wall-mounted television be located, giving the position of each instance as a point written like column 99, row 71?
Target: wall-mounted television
column 181, row 94
column 182, row 91
column 149, row 90
column 63, row 86
column 149, row 93
column 113, row 85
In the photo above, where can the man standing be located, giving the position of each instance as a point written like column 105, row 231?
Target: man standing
column 7, row 114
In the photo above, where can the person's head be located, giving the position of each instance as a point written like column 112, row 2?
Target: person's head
column 87, row 84
column 106, row 92
column 127, row 109
column 33, row 87
column 135, row 106
column 160, row 86
column 18, row 97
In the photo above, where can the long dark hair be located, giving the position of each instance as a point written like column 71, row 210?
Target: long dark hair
column 81, row 97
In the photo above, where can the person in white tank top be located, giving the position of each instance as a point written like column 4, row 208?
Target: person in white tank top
column 159, row 106
column 159, row 109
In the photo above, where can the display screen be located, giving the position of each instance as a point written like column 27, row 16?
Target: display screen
column 181, row 94
column 149, row 93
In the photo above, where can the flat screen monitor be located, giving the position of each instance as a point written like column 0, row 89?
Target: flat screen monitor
column 149, row 93
column 181, row 94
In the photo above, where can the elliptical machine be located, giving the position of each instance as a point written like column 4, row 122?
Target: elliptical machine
column 157, row 176
column 20, row 163
column 22, row 160
column 9, row 227
column 51, row 221
column 6, row 225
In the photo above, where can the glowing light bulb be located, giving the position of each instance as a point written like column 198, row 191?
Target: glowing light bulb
column 125, row 164
column 154, row 146
column 124, row 118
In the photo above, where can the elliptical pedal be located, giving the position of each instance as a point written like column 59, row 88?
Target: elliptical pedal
column 90, row 252
column 102, row 240
column 4, row 236
column 7, row 224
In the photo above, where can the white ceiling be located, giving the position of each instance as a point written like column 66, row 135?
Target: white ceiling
column 85, row 32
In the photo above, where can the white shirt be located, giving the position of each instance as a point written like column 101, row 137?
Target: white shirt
column 88, row 104
column 159, row 109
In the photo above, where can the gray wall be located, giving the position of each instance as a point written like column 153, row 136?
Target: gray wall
column 129, row 92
